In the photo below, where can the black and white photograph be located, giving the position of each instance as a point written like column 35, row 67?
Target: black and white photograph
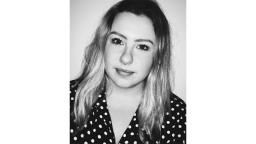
column 127, row 72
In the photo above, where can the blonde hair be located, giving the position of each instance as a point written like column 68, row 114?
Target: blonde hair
column 157, row 88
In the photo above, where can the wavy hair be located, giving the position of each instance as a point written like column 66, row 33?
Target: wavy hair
column 157, row 88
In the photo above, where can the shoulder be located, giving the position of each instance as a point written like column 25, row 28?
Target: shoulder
column 177, row 102
column 73, row 85
column 177, row 109
column 73, row 126
column 174, row 125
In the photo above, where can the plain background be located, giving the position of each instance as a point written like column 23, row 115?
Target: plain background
column 35, row 72
column 86, row 15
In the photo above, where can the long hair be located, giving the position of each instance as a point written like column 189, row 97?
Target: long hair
column 157, row 89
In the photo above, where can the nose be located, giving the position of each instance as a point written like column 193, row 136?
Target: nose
column 127, row 56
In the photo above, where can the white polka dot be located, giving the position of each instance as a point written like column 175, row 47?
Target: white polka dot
column 171, row 101
column 163, row 136
column 101, row 107
column 85, row 125
column 88, row 132
column 132, row 133
column 82, row 135
column 163, row 126
column 173, row 134
column 178, row 113
column 105, row 113
column 178, row 120
column 75, row 138
column 172, row 109
column 126, row 142
column 181, row 117
column 167, row 113
column 135, row 142
column 168, row 132
column 136, row 125
column 71, row 130
column 94, row 130
column 179, row 135
column 91, row 122
column 100, row 126
column 99, row 136
column 168, row 141
column 97, row 104
column 173, row 117
column 104, row 100
column 86, row 142
column 100, row 116
column 124, row 135
column 110, row 140
column 182, row 109
column 134, row 119
column 99, row 95
column 104, row 143
column 92, row 140
column 180, row 126
column 129, row 127
column 177, row 105
column 105, row 133
column 72, row 98
column 168, row 122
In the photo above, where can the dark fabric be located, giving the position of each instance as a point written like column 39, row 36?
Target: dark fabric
column 98, row 129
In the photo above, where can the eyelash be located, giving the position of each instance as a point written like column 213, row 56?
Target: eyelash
column 117, row 41
column 143, row 47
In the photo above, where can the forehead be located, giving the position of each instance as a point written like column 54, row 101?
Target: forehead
column 133, row 26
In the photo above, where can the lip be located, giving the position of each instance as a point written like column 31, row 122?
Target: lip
column 124, row 72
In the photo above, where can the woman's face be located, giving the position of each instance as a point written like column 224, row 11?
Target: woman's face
column 129, row 50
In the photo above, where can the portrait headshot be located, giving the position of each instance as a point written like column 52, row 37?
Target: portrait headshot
column 127, row 72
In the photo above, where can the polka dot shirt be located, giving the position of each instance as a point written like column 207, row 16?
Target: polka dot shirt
column 99, row 130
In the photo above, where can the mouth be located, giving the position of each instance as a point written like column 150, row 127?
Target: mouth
column 124, row 72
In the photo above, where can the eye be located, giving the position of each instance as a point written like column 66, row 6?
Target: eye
column 117, row 41
column 143, row 47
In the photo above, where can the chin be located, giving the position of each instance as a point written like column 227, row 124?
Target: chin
column 126, row 83
column 123, row 84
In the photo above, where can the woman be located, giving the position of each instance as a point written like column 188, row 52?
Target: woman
column 124, row 94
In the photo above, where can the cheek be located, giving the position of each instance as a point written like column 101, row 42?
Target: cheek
column 112, row 51
column 145, row 64
column 110, row 55
column 107, row 52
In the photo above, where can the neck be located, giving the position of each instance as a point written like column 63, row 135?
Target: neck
column 124, row 96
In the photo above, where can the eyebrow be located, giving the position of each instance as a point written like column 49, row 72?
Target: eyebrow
column 137, row 40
